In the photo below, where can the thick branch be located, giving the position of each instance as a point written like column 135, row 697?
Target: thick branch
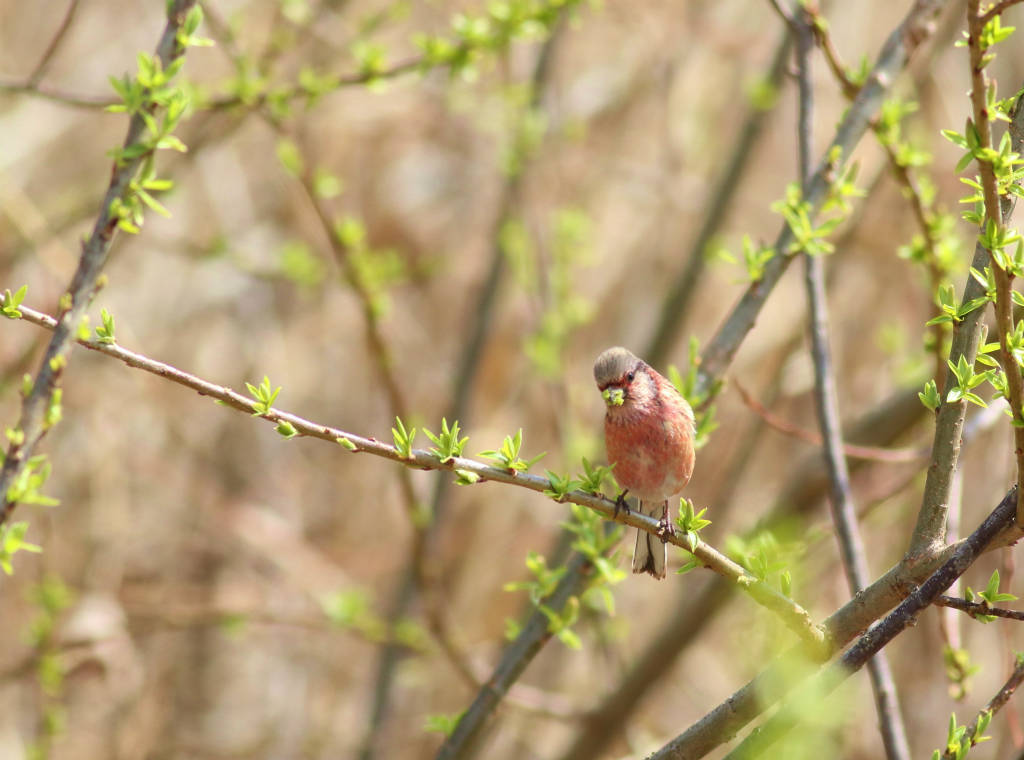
column 872, row 642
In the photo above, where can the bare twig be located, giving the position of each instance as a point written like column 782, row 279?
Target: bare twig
column 853, row 450
column 51, row 49
column 977, row 608
column 32, row 424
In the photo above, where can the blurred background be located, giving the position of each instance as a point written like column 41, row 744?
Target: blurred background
column 208, row 589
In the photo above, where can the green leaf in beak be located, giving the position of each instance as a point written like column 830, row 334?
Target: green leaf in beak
column 613, row 396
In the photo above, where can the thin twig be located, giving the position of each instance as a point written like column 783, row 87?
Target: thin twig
column 826, row 397
column 47, row 57
column 32, row 425
column 977, row 608
column 852, row 450
column 993, row 214
column 792, row 614
column 994, row 705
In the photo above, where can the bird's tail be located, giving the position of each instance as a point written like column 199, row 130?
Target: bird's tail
column 650, row 553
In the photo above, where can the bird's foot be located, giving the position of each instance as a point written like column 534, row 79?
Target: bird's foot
column 665, row 526
column 620, row 504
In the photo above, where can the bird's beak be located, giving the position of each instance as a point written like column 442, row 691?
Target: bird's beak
column 613, row 396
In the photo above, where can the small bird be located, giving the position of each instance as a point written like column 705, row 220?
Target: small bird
column 649, row 432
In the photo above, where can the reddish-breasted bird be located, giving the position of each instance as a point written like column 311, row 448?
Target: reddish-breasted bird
column 649, row 432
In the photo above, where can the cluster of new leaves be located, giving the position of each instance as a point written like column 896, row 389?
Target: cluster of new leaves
column 958, row 743
column 507, row 457
column 690, row 522
column 489, row 32
column 765, row 557
column 991, row 596
column 150, row 92
column 690, row 389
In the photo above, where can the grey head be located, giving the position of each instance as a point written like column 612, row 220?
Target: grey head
column 613, row 364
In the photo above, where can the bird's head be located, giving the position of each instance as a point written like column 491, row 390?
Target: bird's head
column 622, row 378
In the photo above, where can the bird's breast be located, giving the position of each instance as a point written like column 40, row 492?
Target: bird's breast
column 652, row 450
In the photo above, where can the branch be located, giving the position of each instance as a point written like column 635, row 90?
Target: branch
column 903, row 41
column 826, row 398
column 680, row 298
column 993, row 214
column 994, row 705
column 32, row 425
column 872, row 642
column 930, row 530
column 997, row 9
column 723, row 722
column 791, row 613
column 977, row 608
column 851, row 450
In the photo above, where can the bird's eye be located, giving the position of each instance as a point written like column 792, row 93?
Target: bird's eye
column 630, row 376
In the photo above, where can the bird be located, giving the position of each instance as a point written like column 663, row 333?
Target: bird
column 649, row 433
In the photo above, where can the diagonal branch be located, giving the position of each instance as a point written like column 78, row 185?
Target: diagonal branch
column 792, row 614
column 901, row 44
column 872, row 642
column 32, row 425
column 994, row 705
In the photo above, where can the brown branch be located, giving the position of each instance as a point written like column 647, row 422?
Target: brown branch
column 977, row 608
column 994, row 705
column 32, row 424
column 855, row 451
column 997, row 9
column 993, row 215
column 792, row 614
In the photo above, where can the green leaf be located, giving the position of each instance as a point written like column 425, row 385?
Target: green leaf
column 11, row 301
column 286, row 429
column 403, row 439
column 263, row 396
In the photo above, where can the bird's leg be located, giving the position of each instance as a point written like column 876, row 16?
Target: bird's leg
column 620, row 504
column 665, row 526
